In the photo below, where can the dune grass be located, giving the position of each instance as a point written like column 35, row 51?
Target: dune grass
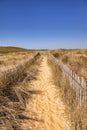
column 14, row 92
column 76, row 60
column 77, row 114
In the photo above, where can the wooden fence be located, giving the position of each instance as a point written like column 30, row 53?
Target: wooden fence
column 76, row 82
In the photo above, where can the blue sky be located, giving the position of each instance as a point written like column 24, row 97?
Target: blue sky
column 43, row 24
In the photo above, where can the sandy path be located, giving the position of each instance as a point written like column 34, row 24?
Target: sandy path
column 45, row 109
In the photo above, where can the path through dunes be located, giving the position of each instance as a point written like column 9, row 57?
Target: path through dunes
column 45, row 108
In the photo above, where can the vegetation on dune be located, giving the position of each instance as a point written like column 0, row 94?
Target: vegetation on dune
column 77, row 114
column 11, row 49
column 14, row 92
column 75, row 59
column 12, row 55
column 15, row 79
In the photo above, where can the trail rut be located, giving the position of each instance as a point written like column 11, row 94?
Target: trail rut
column 45, row 109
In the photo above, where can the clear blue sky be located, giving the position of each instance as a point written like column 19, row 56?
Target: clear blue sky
column 43, row 23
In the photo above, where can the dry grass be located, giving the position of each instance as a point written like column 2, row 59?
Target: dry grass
column 10, row 59
column 13, row 55
column 14, row 73
column 15, row 76
column 14, row 92
column 76, row 60
column 77, row 114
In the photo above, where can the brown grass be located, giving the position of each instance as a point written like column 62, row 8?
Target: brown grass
column 77, row 114
column 7, row 60
column 14, row 92
column 75, row 59
column 14, row 89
